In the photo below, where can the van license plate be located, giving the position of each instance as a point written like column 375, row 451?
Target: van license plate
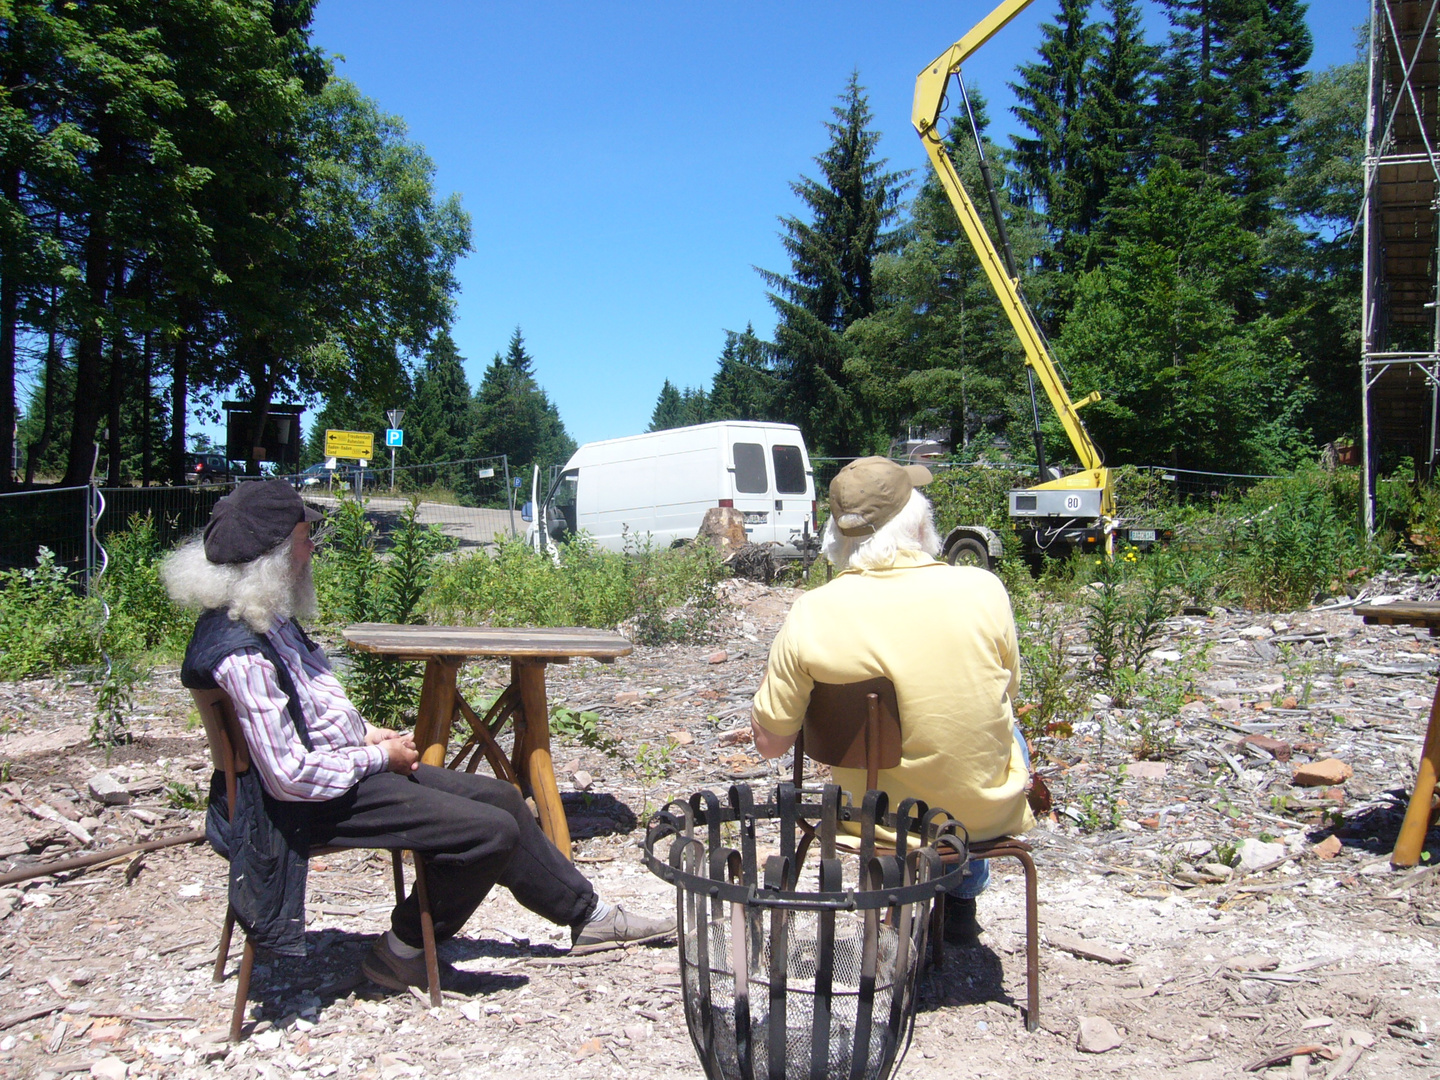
column 756, row 517
column 1142, row 534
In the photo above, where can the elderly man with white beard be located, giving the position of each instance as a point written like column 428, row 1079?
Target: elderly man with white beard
column 328, row 778
column 944, row 635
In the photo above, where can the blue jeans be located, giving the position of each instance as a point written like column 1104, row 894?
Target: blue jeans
column 977, row 874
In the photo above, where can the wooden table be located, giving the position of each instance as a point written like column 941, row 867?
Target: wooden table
column 444, row 649
column 1420, row 812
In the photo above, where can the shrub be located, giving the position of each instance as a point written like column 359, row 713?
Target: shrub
column 1302, row 535
column 516, row 586
column 974, row 496
column 142, row 617
column 46, row 624
column 1423, row 526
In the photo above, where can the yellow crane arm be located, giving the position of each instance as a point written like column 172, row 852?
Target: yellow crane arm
column 930, row 87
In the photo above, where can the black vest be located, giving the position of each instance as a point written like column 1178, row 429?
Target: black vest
column 268, row 840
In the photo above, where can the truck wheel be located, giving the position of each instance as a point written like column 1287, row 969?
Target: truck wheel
column 967, row 551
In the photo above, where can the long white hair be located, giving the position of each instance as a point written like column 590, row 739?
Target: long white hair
column 256, row 593
column 912, row 529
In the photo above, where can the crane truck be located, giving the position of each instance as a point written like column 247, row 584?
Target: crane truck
column 1066, row 513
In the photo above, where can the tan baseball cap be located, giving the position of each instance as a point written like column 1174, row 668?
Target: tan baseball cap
column 870, row 491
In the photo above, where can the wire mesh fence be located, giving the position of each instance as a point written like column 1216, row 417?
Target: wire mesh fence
column 473, row 501
column 177, row 512
column 1191, row 484
column 53, row 518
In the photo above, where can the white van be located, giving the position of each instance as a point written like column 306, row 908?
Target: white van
column 660, row 484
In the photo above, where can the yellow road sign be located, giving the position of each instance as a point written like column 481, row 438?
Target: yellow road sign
column 349, row 444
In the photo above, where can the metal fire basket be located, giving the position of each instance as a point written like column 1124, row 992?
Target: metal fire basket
column 791, row 984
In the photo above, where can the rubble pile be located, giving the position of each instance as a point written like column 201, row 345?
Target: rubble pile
column 1225, row 905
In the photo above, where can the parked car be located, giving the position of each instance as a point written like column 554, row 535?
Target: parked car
column 209, row 469
column 318, row 475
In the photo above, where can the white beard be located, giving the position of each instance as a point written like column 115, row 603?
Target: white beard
column 303, row 602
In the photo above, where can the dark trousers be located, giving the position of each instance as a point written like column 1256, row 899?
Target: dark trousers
column 474, row 831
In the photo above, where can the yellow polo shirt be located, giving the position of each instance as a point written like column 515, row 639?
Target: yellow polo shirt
column 945, row 636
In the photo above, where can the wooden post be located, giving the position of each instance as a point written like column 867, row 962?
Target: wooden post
column 532, row 752
column 437, row 709
column 1417, row 815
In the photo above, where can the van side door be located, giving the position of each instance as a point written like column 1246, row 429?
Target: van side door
column 794, row 495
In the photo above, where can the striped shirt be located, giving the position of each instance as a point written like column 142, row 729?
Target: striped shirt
column 290, row 772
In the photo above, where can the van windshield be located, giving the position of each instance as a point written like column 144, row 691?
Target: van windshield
column 750, row 469
column 789, row 470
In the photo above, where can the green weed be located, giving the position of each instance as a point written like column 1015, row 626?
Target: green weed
column 1100, row 811
column 669, row 593
column 180, row 796
column 583, row 728
column 114, row 702
column 652, row 762
column 1052, row 693
column 1126, row 606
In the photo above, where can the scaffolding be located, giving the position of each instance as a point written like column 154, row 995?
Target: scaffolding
column 1400, row 301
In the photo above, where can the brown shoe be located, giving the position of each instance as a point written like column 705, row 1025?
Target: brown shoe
column 384, row 968
column 620, row 928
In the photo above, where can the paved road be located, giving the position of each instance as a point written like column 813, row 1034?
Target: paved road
column 471, row 526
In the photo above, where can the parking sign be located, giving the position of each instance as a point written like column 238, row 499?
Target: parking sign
column 394, row 437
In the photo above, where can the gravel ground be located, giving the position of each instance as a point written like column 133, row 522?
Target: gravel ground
column 1311, row 954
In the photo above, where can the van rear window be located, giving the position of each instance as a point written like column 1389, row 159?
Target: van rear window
column 789, row 470
column 750, row 468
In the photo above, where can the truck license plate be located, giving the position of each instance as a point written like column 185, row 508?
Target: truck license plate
column 1142, row 534
column 756, row 517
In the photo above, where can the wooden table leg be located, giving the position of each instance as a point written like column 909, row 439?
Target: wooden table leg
column 1417, row 816
column 437, row 709
column 532, row 753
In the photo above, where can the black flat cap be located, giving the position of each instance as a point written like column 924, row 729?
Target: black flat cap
column 254, row 519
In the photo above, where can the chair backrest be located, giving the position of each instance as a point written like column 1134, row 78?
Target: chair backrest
column 852, row 726
column 229, row 753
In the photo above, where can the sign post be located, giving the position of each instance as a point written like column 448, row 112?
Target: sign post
column 357, row 445
column 394, row 437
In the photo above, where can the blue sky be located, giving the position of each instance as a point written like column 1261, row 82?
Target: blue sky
column 624, row 165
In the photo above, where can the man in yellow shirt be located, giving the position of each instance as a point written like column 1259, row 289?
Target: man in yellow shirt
column 944, row 635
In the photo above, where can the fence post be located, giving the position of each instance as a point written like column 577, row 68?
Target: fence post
column 509, row 495
column 90, row 494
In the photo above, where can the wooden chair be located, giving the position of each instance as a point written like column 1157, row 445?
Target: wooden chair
column 230, row 755
column 857, row 726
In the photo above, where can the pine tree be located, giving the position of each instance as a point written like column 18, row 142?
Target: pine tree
column 1115, row 119
column 831, row 283
column 520, row 362
column 744, row 387
column 1315, row 265
column 1187, row 378
column 940, row 352
column 441, row 419
column 514, row 416
column 1055, row 172
column 668, row 409
column 1226, row 96
column 680, row 408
